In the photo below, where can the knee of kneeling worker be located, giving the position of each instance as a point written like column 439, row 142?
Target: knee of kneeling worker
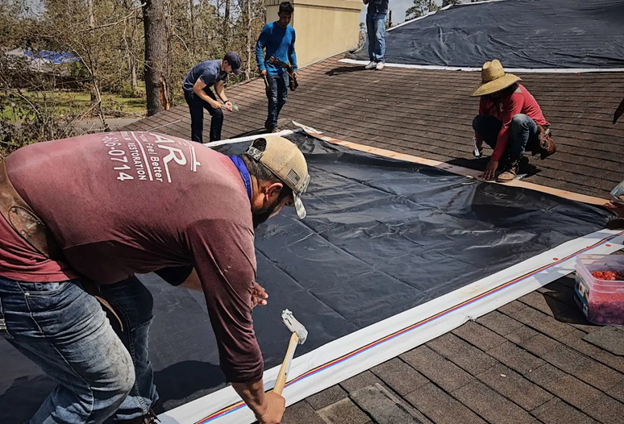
column 477, row 123
column 520, row 120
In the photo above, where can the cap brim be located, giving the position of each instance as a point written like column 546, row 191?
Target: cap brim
column 237, row 71
column 298, row 204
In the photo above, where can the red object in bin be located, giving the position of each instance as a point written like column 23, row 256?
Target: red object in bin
column 600, row 288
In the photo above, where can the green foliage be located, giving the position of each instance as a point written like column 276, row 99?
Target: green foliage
column 108, row 38
column 28, row 117
column 420, row 8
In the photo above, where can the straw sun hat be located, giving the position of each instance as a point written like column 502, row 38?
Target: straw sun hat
column 494, row 78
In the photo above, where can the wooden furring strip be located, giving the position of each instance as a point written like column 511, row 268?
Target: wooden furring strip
column 460, row 170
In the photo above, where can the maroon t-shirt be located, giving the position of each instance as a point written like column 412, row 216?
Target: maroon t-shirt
column 135, row 202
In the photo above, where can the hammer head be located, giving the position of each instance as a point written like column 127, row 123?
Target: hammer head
column 294, row 326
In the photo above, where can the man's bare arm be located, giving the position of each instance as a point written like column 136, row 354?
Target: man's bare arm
column 192, row 282
column 198, row 89
column 219, row 88
column 259, row 296
column 268, row 407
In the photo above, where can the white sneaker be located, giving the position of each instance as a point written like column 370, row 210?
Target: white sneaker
column 370, row 65
column 379, row 66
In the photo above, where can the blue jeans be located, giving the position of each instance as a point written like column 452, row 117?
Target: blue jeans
column 134, row 304
column 196, row 108
column 522, row 133
column 66, row 332
column 376, row 30
column 277, row 93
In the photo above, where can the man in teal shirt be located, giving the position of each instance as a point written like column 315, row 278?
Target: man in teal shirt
column 278, row 39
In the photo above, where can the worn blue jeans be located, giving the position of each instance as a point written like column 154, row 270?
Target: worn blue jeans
column 376, row 30
column 65, row 331
column 522, row 135
column 134, row 304
column 277, row 93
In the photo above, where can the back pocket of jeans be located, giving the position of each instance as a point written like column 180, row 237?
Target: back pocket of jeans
column 4, row 332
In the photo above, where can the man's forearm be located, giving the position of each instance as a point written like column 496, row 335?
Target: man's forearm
column 253, row 395
column 193, row 282
column 260, row 58
column 205, row 97
column 220, row 90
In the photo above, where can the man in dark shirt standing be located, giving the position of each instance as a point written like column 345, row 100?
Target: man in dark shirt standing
column 136, row 217
column 376, row 30
column 278, row 38
column 198, row 95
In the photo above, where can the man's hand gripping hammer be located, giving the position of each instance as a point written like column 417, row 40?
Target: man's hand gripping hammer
column 299, row 336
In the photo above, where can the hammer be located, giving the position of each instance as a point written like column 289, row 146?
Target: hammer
column 299, row 336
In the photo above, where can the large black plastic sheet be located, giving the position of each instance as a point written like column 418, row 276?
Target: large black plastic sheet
column 520, row 33
column 381, row 237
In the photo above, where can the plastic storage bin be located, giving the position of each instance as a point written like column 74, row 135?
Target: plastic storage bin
column 602, row 301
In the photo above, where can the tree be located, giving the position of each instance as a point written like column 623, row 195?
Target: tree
column 132, row 45
column 450, row 2
column 121, row 42
column 27, row 113
column 156, row 61
column 91, row 34
column 421, row 8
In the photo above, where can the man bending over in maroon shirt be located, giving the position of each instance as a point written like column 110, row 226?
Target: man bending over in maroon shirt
column 90, row 212
column 510, row 121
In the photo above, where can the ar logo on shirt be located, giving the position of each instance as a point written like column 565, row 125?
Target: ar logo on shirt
column 175, row 153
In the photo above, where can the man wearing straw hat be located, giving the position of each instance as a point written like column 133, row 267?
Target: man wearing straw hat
column 510, row 121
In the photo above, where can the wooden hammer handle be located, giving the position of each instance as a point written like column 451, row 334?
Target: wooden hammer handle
column 283, row 372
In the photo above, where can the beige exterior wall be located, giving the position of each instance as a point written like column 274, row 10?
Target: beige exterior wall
column 323, row 27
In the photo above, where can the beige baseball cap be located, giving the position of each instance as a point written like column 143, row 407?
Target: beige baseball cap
column 285, row 160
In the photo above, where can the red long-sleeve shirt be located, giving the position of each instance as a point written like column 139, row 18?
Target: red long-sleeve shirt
column 504, row 109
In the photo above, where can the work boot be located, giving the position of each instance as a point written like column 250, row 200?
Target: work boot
column 510, row 171
column 370, row 65
column 149, row 418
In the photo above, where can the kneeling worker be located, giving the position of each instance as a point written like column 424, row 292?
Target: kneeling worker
column 59, row 242
column 510, row 121
column 199, row 96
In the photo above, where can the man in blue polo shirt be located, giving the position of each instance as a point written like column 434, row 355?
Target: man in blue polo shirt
column 278, row 38
column 199, row 96
column 376, row 29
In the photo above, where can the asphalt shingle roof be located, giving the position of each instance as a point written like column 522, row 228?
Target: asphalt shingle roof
column 534, row 360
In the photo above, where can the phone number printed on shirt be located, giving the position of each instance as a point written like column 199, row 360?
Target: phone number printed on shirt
column 119, row 157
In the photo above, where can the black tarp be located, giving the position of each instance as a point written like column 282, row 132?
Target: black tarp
column 520, row 33
column 381, row 237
